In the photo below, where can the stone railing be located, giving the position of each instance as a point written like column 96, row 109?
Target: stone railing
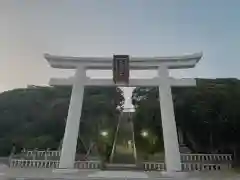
column 41, row 153
column 204, row 167
column 158, row 166
column 134, row 143
column 20, row 163
column 196, row 162
column 206, row 157
column 154, row 166
column 190, row 162
column 115, row 139
column 47, row 155
column 87, row 165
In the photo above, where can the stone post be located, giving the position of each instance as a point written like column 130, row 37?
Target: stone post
column 172, row 154
column 69, row 144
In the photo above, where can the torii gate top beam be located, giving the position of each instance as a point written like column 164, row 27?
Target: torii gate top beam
column 172, row 62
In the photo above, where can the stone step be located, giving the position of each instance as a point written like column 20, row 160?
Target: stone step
column 122, row 167
column 184, row 149
column 124, row 159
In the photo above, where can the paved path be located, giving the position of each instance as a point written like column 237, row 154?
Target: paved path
column 47, row 174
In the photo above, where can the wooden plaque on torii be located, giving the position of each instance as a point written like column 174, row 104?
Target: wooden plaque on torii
column 121, row 69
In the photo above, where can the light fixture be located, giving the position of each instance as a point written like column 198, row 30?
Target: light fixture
column 104, row 133
column 144, row 133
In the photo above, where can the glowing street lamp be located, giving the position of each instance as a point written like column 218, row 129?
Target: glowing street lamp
column 104, row 133
column 144, row 133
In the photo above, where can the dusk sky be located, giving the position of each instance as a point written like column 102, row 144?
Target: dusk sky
column 30, row 28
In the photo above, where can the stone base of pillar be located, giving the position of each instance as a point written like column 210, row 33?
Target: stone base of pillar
column 65, row 171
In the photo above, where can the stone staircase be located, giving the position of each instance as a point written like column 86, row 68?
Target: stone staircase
column 123, row 156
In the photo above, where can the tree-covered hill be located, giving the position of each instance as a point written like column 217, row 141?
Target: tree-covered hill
column 35, row 117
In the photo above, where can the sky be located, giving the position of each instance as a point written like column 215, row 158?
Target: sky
column 30, row 28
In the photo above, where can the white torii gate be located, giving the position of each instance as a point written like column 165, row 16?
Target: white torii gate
column 163, row 81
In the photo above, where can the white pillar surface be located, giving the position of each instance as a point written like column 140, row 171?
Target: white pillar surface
column 172, row 154
column 69, row 145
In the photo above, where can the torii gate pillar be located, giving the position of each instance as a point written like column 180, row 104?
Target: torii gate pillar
column 170, row 137
column 67, row 158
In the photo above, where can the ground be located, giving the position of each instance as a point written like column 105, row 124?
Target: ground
column 47, row 174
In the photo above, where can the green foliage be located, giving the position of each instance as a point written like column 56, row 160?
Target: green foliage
column 35, row 117
column 208, row 114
